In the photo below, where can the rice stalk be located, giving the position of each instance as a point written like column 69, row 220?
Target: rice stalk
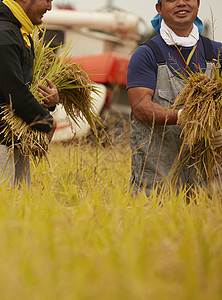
column 29, row 140
column 201, row 117
column 73, row 84
column 74, row 88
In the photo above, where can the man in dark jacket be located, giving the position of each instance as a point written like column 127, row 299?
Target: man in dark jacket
column 17, row 21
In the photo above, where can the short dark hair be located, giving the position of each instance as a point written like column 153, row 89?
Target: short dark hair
column 161, row 2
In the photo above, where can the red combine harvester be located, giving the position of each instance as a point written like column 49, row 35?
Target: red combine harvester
column 102, row 42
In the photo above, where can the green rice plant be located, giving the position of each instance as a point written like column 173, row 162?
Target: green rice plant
column 201, row 117
column 74, row 88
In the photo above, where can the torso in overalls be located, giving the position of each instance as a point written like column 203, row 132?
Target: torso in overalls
column 154, row 148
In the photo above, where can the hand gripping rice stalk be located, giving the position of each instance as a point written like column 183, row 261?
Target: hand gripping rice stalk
column 201, row 116
column 74, row 88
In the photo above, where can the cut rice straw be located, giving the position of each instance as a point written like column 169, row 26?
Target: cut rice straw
column 74, row 88
column 201, row 117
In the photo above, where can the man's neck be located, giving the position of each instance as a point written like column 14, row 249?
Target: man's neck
column 182, row 32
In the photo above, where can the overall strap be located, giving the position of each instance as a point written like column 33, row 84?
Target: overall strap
column 156, row 51
column 208, row 48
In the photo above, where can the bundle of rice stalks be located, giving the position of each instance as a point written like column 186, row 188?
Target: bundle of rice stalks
column 201, row 117
column 74, row 88
column 29, row 140
column 73, row 84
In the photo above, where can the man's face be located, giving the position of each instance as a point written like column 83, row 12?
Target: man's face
column 36, row 9
column 178, row 14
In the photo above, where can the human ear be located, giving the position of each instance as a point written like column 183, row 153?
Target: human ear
column 158, row 8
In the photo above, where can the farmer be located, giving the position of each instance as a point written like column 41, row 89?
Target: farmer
column 153, row 85
column 18, row 19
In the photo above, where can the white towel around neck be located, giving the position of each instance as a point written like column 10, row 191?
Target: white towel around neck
column 172, row 39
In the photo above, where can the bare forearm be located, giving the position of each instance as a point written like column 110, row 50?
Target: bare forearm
column 155, row 113
column 145, row 110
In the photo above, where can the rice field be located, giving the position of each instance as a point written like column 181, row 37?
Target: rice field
column 78, row 233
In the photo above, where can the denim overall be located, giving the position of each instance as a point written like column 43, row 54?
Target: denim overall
column 154, row 148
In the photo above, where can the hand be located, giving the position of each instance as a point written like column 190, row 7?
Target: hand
column 52, row 131
column 50, row 96
column 217, row 139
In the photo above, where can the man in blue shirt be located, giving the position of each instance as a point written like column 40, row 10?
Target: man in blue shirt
column 153, row 85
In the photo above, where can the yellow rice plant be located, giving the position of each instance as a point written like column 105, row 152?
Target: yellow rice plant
column 79, row 233
column 201, row 117
column 74, row 88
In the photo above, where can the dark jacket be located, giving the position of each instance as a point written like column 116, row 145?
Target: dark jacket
column 16, row 63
